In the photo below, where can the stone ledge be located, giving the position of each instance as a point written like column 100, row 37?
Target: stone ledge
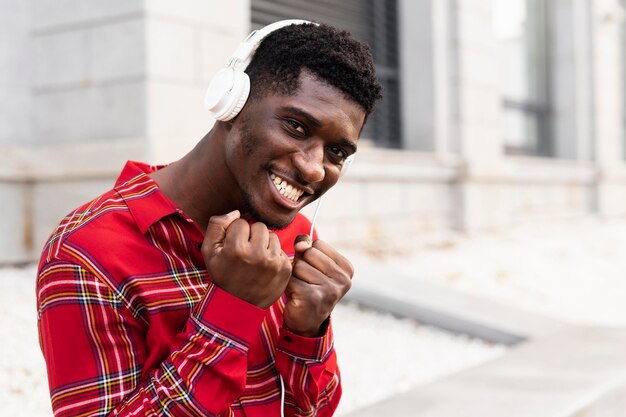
column 429, row 303
column 577, row 372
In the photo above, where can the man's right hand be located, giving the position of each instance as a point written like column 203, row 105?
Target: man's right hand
column 245, row 260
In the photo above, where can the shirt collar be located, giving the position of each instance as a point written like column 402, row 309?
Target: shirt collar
column 145, row 201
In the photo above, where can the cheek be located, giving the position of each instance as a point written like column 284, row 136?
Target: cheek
column 331, row 178
column 248, row 145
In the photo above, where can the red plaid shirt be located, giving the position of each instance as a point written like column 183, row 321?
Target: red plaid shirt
column 130, row 324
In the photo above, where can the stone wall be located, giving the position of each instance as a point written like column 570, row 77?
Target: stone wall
column 84, row 86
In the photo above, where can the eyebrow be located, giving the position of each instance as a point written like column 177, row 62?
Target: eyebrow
column 314, row 121
column 349, row 144
column 308, row 116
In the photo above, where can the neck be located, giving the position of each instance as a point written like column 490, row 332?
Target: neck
column 200, row 183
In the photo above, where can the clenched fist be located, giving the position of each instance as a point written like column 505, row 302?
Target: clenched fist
column 245, row 260
column 321, row 277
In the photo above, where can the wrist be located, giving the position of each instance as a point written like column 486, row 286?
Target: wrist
column 317, row 331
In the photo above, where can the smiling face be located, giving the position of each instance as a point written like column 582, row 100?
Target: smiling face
column 286, row 151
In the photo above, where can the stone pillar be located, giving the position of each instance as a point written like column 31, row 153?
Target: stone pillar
column 186, row 44
column 570, row 80
column 424, row 33
column 15, row 128
column 476, row 116
column 417, row 71
column 610, row 88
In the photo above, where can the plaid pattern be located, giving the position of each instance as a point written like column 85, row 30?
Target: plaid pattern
column 130, row 324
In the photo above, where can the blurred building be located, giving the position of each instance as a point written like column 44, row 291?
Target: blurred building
column 495, row 111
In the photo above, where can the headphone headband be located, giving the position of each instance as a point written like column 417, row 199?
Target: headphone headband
column 246, row 49
column 229, row 89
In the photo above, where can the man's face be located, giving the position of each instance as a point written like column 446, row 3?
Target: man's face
column 287, row 151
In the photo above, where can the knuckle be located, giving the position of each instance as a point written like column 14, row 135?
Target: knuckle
column 206, row 251
column 298, row 267
column 258, row 227
column 239, row 250
column 349, row 268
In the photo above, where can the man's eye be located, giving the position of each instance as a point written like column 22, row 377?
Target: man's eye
column 337, row 151
column 296, row 126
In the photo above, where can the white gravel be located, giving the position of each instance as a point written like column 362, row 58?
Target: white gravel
column 23, row 385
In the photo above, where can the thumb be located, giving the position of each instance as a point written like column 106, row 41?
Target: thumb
column 301, row 244
column 216, row 229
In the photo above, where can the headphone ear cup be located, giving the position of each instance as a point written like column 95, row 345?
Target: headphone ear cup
column 227, row 93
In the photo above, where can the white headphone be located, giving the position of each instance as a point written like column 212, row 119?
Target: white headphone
column 229, row 89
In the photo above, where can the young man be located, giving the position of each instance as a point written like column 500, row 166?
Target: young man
column 175, row 294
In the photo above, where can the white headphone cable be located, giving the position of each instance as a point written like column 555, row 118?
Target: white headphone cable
column 317, row 208
column 282, row 396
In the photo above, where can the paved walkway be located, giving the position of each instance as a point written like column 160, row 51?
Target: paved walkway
column 553, row 369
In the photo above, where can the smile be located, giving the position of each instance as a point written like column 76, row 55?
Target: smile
column 286, row 190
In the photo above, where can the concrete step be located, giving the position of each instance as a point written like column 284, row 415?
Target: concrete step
column 382, row 287
column 575, row 372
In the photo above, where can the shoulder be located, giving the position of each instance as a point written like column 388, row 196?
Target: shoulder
column 89, row 222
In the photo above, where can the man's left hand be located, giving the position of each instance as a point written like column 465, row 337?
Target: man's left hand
column 321, row 277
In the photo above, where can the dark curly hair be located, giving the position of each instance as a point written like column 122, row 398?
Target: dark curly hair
column 330, row 54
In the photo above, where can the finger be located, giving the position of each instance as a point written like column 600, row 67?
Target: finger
column 306, row 272
column 237, row 234
column 216, row 229
column 259, row 235
column 301, row 244
column 274, row 244
column 328, row 266
column 338, row 258
column 296, row 286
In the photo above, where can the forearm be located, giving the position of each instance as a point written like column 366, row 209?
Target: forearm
column 95, row 350
column 309, row 369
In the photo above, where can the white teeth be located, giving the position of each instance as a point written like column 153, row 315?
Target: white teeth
column 287, row 190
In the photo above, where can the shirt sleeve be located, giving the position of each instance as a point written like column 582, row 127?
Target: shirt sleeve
column 94, row 345
column 309, row 369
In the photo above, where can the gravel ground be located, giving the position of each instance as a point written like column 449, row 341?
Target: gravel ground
column 24, row 385
column 379, row 354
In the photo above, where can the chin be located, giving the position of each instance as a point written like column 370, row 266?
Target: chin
column 271, row 221
column 277, row 221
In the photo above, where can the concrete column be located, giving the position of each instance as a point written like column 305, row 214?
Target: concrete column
column 417, row 70
column 15, row 72
column 570, row 80
column 476, row 116
column 186, row 44
column 610, row 87
column 424, row 29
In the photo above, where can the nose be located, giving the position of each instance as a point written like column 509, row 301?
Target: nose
column 310, row 163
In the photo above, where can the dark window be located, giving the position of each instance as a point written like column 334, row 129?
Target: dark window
column 372, row 21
